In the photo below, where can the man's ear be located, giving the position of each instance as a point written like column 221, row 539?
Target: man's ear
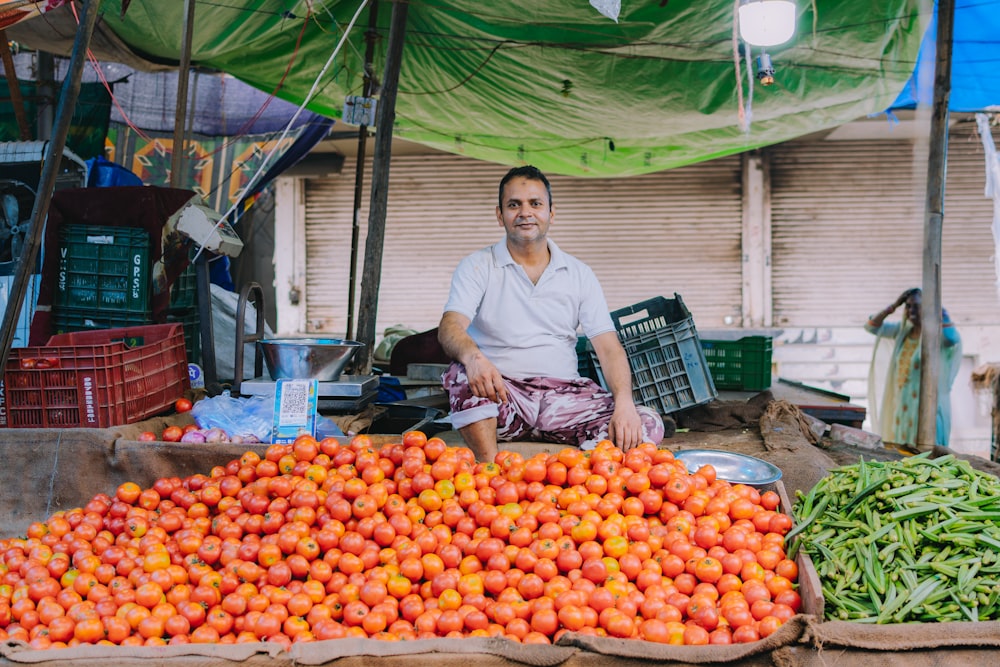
column 499, row 217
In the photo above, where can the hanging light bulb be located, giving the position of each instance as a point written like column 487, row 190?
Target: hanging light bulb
column 767, row 22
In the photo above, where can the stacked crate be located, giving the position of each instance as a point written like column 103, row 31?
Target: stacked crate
column 104, row 283
column 95, row 379
column 103, row 279
column 183, row 310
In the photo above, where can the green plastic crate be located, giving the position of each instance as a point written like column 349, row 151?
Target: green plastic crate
column 68, row 320
column 188, row 318
column 584, row 363
column 184, row 290
column 103, row 269
column 743, row 364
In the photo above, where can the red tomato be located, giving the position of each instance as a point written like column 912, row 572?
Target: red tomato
column 172, row 434
column 146, row 436
column 182, row 405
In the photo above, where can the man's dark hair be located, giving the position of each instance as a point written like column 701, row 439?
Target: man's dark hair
column 529, row 172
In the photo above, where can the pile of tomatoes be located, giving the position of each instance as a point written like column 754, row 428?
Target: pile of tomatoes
column 414, row 539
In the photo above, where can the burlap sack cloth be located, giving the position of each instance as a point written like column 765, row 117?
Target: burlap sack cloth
column 48, row 470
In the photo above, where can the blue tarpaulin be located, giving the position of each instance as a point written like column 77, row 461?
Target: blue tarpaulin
column 975, row 61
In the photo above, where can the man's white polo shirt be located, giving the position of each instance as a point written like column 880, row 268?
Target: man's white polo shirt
column 526, row 329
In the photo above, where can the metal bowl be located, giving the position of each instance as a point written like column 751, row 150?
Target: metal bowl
column 730, row 466
column 322, row 359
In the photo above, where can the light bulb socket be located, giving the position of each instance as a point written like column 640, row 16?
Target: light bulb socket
column 765, row 70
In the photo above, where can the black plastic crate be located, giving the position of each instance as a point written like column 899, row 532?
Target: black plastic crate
column 669, row 371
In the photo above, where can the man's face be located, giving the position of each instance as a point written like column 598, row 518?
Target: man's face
column 525, row 213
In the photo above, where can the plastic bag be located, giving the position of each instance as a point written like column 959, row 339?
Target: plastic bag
column 250, row 416
column 236, row 416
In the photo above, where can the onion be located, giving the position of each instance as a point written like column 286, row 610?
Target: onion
column 216, row 435
column 193, row 436
column 236, row 439
column 250, row 438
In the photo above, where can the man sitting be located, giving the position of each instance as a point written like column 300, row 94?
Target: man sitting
column 510, row 326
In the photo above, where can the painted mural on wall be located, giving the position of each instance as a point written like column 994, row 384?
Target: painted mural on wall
column 217, row 168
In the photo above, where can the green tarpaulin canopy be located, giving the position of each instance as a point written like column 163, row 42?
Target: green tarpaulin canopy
column 556, row 83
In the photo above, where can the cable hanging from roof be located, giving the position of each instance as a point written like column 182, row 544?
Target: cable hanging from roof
column 267, row 158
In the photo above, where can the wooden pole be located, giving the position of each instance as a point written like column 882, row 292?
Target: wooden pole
column 385, row 116
column 995, row 453
column 359, row 168
column 937, row 162
column 180, row 112
column 50, row 170
column 16, row 99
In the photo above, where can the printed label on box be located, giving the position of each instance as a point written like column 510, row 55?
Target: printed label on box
column 87, row 399
column 294, row 409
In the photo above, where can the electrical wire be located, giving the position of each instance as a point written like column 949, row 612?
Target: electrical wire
column 740, row 113
column 107, row 86
column 270, row 154
column 281, row 82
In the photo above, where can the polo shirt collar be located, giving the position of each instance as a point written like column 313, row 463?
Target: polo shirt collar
column 501, row 255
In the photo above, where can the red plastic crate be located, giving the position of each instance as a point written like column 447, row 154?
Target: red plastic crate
column 96, row 379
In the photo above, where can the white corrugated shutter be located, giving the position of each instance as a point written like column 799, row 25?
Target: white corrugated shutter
column 676, row 231
column 847, row 225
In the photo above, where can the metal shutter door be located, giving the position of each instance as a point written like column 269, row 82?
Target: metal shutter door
column 848, row 224
column 676, row 231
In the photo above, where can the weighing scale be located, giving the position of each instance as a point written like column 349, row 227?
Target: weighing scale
column 349, row 394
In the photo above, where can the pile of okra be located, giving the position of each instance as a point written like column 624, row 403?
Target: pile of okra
column 915, row 540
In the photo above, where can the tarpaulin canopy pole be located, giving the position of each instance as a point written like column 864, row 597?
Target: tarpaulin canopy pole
column 359, row 169
column 372, row 273
column 930, row 339
column 51, row 163
column 16, row 100
column 180, row 114
column 202, row 278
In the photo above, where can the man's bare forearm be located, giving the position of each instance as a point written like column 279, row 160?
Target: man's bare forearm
column 615, row 367
column 455, row 339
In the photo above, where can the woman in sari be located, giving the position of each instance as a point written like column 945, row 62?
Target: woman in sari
column 894, row 379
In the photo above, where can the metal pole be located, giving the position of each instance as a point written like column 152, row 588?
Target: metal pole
column 386, row 115
column 930, row 339
column 359, row 169
column 50, row 170
column 180, row 113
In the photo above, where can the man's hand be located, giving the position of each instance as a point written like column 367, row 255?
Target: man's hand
column 625, row 427
column 484, row 379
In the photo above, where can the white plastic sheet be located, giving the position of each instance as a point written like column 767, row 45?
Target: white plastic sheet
column 992, row 187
